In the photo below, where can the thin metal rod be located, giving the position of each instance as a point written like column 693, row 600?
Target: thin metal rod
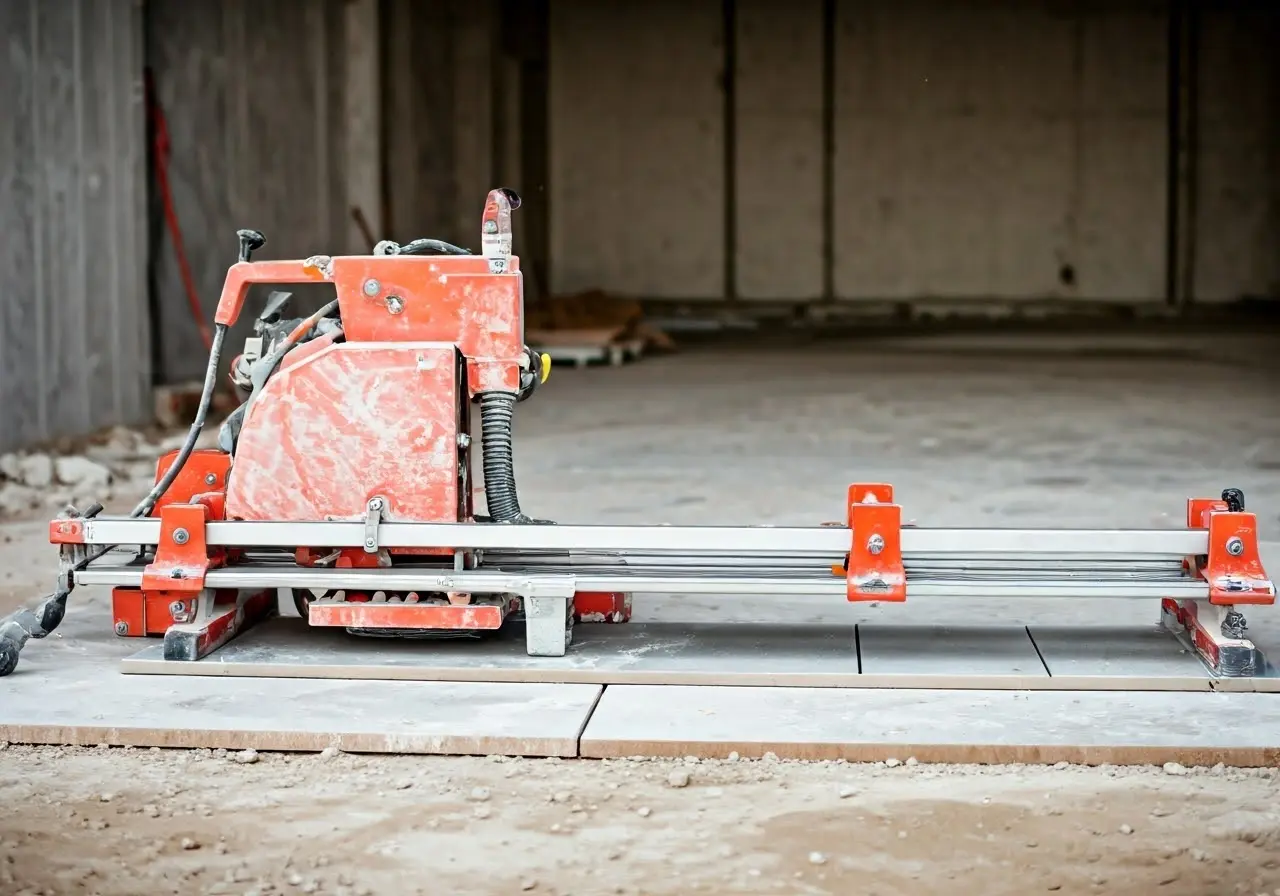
column 428, row 580
column 1135, row 543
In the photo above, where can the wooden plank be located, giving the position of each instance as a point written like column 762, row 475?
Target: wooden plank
column 935, row 726
column 22, row 392
column 99, row 272
column 62, row 339
column 130, row 343
column 948, row 650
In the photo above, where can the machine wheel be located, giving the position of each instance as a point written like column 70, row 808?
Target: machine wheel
column 302, row 599
column 8, row 656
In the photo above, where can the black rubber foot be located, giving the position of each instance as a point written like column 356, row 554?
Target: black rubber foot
column 9, row 650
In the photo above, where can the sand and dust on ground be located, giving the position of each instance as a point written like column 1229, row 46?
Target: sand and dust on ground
column 130, row 822
column 983, row 439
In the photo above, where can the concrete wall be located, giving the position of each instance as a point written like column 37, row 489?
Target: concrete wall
column 1236, row 245
column 637, row 173
column 1000, row 149
column 1007, row 149
column 253, row 94
column 74, row 349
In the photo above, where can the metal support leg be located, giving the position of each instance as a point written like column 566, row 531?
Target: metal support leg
column 1216, row 633
column 221, row 615
column 548, row 625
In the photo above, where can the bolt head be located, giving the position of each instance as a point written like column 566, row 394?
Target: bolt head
column 122, row 628
column 368, row 542
column 372, row 287
column 875, row 544
column 1235, row 547
column 395, row 304
column 375, row 503
column 181, row 536
column 211, row 479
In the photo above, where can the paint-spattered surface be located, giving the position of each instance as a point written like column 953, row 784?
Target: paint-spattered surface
column 986, row 726
column 349, row 423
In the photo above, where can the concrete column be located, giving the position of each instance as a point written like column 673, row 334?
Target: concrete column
column 363, row 122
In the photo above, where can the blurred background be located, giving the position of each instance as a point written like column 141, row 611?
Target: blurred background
column 721, row 162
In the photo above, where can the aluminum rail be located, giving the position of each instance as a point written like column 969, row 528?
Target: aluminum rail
column 555, row 584
column 682, row 539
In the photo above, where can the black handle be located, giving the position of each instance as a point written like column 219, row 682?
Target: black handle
column 250, row 242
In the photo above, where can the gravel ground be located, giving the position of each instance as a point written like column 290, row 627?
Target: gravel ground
column 972, row 432
column 114, row 821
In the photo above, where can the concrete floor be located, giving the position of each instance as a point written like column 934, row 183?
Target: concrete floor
column 972, row 431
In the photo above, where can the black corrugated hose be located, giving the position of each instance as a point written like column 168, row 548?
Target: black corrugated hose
column 496, row 412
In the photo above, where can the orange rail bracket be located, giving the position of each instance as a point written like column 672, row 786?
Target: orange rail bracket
column 182, row 556
column 1233, row 565
column 874, row 569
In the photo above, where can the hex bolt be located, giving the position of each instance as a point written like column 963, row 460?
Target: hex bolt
column 369, row 543
column 1235, row 547
column 464, row 440
column 211, row 479
column 181, row 536
column 375, row 504
column 122, row 628
column 395, row 304
column 372, row 287
column 875, row 544
column 178, row 610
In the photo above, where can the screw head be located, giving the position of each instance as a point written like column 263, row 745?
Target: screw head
column 372, row 287
column 122, row 628
column 211, row 479
column 177, row 608
column 1235, row 547
column 181, row 536
column 375, row 503
column 875, row 544
column 395, row 304
column 368, row 542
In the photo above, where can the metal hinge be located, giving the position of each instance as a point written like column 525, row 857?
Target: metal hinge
column 372, row 519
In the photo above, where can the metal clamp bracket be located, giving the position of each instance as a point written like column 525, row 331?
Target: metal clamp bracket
column 373, row 519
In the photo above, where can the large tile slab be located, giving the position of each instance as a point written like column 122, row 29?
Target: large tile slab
column 650, row 653
column 948, row 651
column 936, row 725
column 1115, row 650
column 655, row 653
column 66, row 695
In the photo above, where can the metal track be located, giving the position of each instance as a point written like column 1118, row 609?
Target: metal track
column 543, row 580
column 769, row 540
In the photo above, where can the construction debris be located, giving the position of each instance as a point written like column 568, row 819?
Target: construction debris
column 593, row 327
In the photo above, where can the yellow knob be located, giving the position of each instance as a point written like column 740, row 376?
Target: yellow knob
column 546, row 366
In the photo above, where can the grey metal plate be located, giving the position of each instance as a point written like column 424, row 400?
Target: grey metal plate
column 1118, row 650
column 948, row 650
